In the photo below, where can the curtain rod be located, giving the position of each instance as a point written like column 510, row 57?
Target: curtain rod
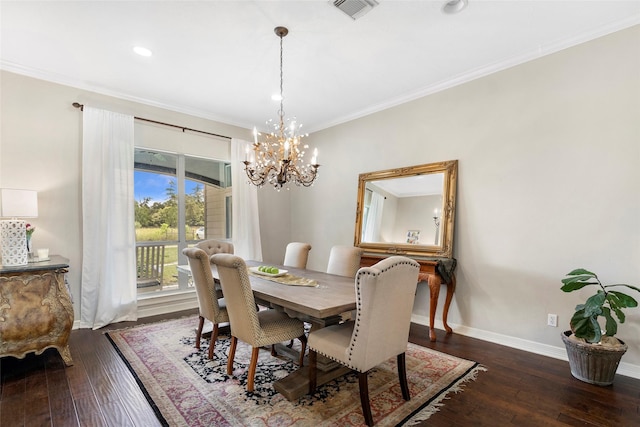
column 81, row 107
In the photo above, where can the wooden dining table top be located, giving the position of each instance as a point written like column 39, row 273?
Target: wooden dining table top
column 332, row 296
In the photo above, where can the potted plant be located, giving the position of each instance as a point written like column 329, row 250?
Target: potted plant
column 594, row 354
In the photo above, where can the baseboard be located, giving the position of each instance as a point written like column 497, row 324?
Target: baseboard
column 626, row 369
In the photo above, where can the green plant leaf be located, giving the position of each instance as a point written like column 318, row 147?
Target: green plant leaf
column 619, row 314
column 606, row 303
column 581, row 278
column 586, row 327
column 622, row 300
column 593, row 305
column 578, row 321
column 614, row 301
column 611, row 325
column 572, row 285
column 580, row 271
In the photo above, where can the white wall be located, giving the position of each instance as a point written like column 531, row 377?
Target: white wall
column 549, row 180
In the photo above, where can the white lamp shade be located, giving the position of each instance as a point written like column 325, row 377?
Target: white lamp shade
column 18, row 203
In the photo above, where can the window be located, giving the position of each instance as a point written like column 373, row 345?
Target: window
column 179, row 200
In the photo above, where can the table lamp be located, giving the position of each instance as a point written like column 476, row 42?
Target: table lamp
column 13, row 232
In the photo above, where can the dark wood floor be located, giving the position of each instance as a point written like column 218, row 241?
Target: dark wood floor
column 519, row 388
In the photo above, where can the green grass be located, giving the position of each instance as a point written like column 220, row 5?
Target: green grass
column 170, row 273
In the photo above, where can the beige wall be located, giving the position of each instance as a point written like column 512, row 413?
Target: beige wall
column 549, row 181
column 40, row 149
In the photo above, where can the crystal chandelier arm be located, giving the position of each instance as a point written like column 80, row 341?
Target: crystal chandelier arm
column 304, row 176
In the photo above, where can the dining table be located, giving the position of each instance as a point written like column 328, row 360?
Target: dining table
column 317, row 298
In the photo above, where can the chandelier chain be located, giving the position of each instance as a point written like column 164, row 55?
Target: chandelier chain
column 281, row 91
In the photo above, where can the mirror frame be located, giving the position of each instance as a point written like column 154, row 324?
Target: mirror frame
column 445, row 250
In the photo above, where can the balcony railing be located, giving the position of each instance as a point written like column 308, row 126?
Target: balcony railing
column 149, row 264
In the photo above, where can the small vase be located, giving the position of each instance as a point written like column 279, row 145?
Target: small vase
column 30, row 257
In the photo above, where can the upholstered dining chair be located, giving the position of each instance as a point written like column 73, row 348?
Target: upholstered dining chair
column 384, row 302
column 213, row 246
column 296, row 255
column 209, row 306
column 344, row 260
column 255, row 327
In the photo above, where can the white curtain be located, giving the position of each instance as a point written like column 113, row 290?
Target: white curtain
column 374, row 218
column 245, row 218
column 108, row 233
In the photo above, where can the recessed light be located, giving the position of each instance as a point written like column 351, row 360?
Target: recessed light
column 454, row 6
column 276, row 97
column 142, row 51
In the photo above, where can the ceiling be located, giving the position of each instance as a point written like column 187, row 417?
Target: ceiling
column 220, row 59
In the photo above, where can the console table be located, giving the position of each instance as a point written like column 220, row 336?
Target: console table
column 436, row 272
column 36, row 312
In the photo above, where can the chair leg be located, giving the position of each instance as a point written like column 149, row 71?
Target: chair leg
column 402, row 376
column 303, row 341
column 199, row 332
column 313, row 373
column 252, row 368
column 364, row 398
column 232, row 355
column 214, row 338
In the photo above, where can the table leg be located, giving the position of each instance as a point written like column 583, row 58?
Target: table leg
column 296, row 384
column 451, row 287
column 434, row 292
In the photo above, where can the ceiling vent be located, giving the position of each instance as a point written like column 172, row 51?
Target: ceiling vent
column 355, row 8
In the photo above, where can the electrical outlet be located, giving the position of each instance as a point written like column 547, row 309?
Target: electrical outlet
column 552, row 320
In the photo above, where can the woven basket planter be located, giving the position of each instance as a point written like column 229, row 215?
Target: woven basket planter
column 594, row 364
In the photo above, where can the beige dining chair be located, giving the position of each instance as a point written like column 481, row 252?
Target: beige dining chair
column 344, row 260
column 255, row 327
column 296, row 255
column 210, row 307
column 213, row 246
column 384, row 302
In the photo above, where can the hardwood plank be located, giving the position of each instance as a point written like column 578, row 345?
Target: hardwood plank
column 12, row 411
column 89, row 412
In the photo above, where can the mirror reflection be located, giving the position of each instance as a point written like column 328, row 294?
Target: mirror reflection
column 408, row 210
column 394, row 210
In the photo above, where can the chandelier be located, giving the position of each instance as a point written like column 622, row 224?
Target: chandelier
column 279, row 158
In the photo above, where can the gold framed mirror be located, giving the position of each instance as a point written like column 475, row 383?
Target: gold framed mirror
column 408, row 211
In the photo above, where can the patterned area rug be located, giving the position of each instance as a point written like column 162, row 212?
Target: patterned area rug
column 185, row 388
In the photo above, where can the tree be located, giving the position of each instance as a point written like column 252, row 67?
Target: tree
column 143, row 212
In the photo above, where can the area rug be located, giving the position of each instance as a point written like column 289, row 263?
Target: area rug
column 185, row 388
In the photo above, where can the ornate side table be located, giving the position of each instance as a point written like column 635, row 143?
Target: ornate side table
column 436, row 272
column 36, row 312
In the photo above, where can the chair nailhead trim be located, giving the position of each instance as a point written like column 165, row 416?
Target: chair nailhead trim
column 408, row 261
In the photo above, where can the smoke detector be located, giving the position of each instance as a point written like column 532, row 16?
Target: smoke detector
column 355, row 8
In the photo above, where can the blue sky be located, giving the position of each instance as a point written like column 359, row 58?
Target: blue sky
column 154, row 186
